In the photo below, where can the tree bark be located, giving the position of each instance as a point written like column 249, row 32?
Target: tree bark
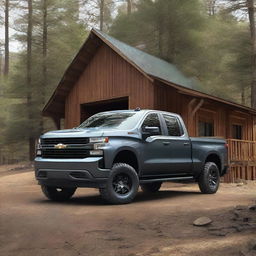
column 243, row 96
column 29, row 79
column 6, row 44
column 211, row 7
column 102, row 5
column 251, row 13
column 44, row 65
column 160, row 37
column 129, row 7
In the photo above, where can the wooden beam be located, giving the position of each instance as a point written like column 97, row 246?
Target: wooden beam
column 242, row 163
column 56, row 121
column 192, row 92
column 199, row 105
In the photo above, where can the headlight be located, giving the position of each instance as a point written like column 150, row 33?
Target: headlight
column 38, row 146
column 98, row 140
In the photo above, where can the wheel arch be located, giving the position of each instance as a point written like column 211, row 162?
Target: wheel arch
column 215, row 158
column 129, row 156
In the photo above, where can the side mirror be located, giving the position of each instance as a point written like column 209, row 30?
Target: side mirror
column 150, row 131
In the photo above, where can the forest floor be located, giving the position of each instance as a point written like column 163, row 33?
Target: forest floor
column 153, row 225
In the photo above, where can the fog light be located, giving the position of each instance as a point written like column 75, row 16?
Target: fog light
column 98, row 146
column 96, row 152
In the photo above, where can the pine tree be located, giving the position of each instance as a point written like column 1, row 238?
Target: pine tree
column 6, row 44
column 51, row 32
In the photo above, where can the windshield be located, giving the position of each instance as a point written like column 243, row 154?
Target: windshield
column 120, row 120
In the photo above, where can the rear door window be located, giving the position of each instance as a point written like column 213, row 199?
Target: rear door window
column 173, row 125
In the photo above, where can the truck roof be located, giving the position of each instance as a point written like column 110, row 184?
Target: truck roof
column 140, row 110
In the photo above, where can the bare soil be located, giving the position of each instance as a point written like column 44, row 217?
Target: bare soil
column 153, row 225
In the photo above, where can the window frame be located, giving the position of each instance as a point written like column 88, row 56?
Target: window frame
column 160, row 122
column 182, row 132
column 242, row 130
column 206, row 122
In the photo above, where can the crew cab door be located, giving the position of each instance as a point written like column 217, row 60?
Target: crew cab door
column 177, row 150
column 154, row 159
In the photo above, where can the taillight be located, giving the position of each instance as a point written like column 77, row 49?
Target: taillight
column 226, row 145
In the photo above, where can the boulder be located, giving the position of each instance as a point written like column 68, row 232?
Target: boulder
column 252, row 207
column 202, row 221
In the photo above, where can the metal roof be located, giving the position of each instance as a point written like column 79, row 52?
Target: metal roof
column 150, row 64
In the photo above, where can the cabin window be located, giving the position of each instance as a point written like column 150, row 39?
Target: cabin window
column 173, row 126
column 206, row 129
column 152, row 120
column 237, row 131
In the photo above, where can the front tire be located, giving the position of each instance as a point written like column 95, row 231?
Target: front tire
column 58, row 194
column 151, row 187
column 209, row 180
column 122, row 185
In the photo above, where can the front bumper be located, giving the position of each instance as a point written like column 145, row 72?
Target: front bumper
column 71, row 172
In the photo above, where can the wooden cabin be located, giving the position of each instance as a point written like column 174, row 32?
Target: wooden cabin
column 107, row 74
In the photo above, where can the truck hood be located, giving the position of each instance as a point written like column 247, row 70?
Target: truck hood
column 74, row 133
column 86, row 133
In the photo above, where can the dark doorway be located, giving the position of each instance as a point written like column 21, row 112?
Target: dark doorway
column 92, row 108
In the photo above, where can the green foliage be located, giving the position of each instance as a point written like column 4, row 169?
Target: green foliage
column 214, row 50
column 65, row 34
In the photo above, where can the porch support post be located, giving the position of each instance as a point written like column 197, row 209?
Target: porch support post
column 193, row 107
column 56, row 121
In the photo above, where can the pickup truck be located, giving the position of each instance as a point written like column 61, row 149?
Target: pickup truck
column 118, row 151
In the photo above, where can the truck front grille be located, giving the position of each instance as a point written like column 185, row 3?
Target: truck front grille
column 67, row 141
column 75, row 148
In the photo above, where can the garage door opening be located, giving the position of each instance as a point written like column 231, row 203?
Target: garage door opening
column 90, row 109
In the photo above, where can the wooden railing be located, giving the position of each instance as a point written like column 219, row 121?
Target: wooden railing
column 241, row 150
column 242, row 160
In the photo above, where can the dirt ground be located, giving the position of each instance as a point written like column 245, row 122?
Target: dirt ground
column 153, row 225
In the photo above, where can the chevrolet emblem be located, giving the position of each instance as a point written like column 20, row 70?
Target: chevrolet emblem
column 60, row 146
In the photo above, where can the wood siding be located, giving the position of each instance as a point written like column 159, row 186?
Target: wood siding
column 223, row 117
column 108, row 76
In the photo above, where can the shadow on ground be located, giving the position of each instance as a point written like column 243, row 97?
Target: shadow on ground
column 141, row 197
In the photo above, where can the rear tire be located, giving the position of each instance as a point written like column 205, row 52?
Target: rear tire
column 58, row 194
column 151, row 187
column 122, row 185
column 209, row 180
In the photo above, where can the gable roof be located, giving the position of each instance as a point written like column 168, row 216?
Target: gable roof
column 152, row 67
column 150, row 64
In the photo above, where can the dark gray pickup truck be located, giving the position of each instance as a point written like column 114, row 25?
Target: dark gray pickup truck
column 117, row 151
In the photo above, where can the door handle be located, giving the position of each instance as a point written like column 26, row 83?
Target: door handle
column 186, row 143
column 166, row 143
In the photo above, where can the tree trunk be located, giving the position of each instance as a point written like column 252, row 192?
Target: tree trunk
column 6, row 44
column 102, row 4
column 243, row 96
column 29, row 84
column 160, row 37
column 129, row 7
column 44, row 65
column 251, row 13
column 1, row 62
column 211, row 7
column 76, row 9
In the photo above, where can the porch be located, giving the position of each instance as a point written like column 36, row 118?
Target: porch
column 242, row 160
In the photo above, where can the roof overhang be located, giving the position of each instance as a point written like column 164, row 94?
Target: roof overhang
column 194, row 93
